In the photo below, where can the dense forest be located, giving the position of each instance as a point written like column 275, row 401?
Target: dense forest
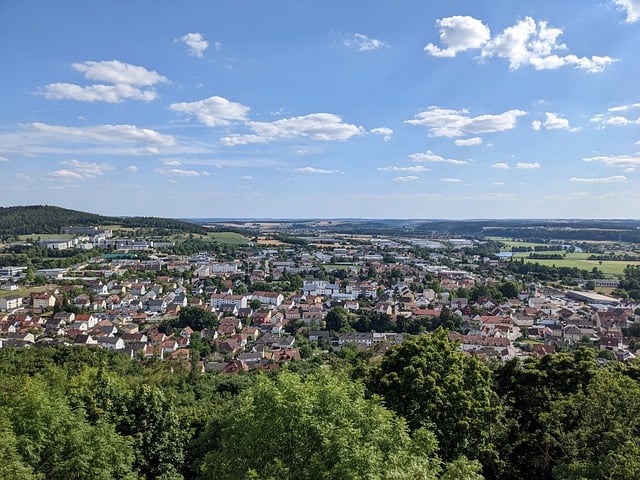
column 423, row 411
column 35, row 219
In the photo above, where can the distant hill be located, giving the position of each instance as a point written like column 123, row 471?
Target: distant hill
column 38, row 219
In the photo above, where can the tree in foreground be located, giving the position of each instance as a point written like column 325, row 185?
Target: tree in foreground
column 319, row 427
column 433, row 385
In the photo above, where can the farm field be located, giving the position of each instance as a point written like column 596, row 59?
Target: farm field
column 231, row 238
column 45, row 236
column 580, row 261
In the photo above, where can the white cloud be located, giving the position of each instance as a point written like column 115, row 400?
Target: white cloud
column 178, row 172
column 145, row 151
column 534, row 43
column 196, row 43
column 77, row 170
column 468, row 142
column 88, row 169
column 607, row 119
column 383, row 131
column 3, row 159
column 621, row 161
column 408, row 178
column 103, row 134
column 614, row 179
column 362, row 43
column 132, row 168
column 213, row 111
column 623, row 108
column 498, row 184
column 451, row 180
column 172, row 163
column 431, row 157
column 314, row 170
column 315, row 126
column 500, row 165
column 552, row 122
column 443, row 122
column 414, row 169
column 97, row 93
column 65, row 175
column 619, row 120
column 119, row 73
column 631, row 9
column 527, row 166
column 527, row 43
column 125, row 81
column 457, row 34
column 246, row 177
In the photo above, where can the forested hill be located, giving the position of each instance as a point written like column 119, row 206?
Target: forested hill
column 34, row 219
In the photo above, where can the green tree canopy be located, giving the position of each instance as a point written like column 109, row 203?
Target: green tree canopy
column 319, row 427
column 432, row 384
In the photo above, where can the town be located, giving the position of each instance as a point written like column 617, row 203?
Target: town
column 264, row 301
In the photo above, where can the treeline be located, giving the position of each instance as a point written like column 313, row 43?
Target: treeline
column 424, row 411
column 45, row 219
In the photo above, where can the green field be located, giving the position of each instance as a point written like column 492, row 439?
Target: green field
column 231, row 238
column 579, row 260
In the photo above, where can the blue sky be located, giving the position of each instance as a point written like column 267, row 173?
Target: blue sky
column 306, row 109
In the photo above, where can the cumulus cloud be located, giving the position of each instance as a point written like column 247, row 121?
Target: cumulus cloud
column 77, row 170
column 124, row 81
column 196, row 43
column 213, row 111
column 119, row 73
column 315, row 126
column 362, row 42
column 383, row 131
column 132, row 168
column 631, row 9
column 408, row 178
column 431, row 157
column 527, row 166
column 414, row 169
column 457, row 34
column 179, row 172
column 624, row 108
column 451, row 180
column 619, row 161
column 468, row 142
column 103, row 134
column 613, row 118
column 97, row 93
column 614, row 179
column 442, row 122
column 500, row 165
column 527, row 43
column 64, row 174
column 552, row 122
column 314, row 170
